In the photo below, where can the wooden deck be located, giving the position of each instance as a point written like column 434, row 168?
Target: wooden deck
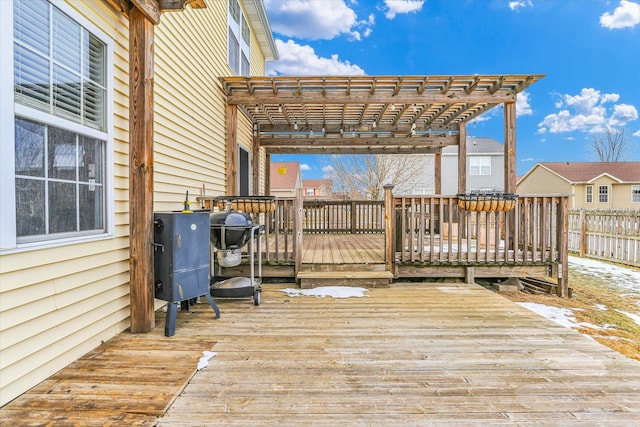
column 439, row 353
column 343, row 249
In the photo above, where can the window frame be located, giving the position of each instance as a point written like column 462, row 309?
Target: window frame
column 9, row 111
column 588, row 194
column 480, row 166
column 601, row 193
column 242, row 67
column 635, row 191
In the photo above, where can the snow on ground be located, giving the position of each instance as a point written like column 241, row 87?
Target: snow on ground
column 562, row 316
column 631, row 316
column 328, row 291
column 626, row 279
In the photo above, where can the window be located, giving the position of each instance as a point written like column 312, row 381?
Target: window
column 589, row 193
column 309, row 192
column 239, row 38
column 635, row 194
column 60, row 134
column 603, row 194
column 479, row 165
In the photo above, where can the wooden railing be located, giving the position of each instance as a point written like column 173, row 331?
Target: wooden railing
column 340, row 216
column 432, row 229
column 610, row 235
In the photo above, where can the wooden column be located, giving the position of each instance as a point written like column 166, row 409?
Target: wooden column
column 232, row 150
column 462, row 159
column 563, row 246
column 255, row 160
column 298, row 218
column 509, row 147
column 583, row 233
column 437, row 172
column 267, row 174
column 141, row 35
column 389, row 221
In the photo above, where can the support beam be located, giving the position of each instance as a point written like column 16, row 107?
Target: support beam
column 437, row 172
column 389, row 222
column 141, row 38
column 149, row 8
column 232, row 150
column 354, row 150
column 462, row 159
column 267, row 174
column 255, row 161
column 510, row 147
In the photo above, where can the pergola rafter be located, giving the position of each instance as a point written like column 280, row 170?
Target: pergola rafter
column 369, row 115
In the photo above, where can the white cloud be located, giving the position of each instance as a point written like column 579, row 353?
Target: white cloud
column 518, row 4
column 523, row 107
column 327, row 169
column 637, row 134
column 626, row 15
column 396, row 7
column 591, row 113
column 528, row 159
column 305, row 167
column 302, row 60
column 311, row 20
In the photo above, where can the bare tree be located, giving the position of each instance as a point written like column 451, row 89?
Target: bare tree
column 363, row 176
column 612, row 146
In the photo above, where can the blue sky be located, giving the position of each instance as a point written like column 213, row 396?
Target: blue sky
column 589, row 51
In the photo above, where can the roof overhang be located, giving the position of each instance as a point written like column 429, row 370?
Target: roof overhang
column 367, row 114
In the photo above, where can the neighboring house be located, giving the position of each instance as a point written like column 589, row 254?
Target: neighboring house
column 64, row 175
column 285, row 178
column 318, row 188
column 485, row 169
column 485, row 166
column 594, row 185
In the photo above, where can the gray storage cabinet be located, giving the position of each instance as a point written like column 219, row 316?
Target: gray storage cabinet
column 181, row 260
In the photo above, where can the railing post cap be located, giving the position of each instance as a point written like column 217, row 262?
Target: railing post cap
column 388, row 186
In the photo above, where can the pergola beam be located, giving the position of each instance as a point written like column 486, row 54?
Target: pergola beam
column 368, row 98
column 353, row 150
column 440, row 141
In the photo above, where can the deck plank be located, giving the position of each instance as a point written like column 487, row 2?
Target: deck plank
column 446, row 353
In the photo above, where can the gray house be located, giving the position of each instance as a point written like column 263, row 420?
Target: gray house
column 485, row 169
column 485, row 166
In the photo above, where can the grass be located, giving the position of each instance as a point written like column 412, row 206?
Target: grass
column 596, row 300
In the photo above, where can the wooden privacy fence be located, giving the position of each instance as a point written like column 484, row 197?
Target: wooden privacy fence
column 612, row 235
column 432, row 229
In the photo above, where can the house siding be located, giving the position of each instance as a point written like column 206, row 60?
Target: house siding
column 58, row 303
column 542, row 181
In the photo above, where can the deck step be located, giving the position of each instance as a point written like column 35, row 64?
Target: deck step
column 364, row 278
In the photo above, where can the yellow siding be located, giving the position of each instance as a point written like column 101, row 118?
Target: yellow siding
column 621, row 197
column 541, row 181
column 58, row 303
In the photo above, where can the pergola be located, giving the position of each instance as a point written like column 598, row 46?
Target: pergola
column 368, row 115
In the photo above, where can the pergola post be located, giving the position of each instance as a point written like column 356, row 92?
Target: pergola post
column 462, row 158
column 437, row 172
column 141, row 39
column 232, row 150
column 389, row 222
column 509, row 147
column 255, row 160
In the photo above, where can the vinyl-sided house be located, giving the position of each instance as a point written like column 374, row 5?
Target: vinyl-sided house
column 68, row 75
column 593, row 185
